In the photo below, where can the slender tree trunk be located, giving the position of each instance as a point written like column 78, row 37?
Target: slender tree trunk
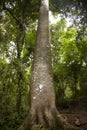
column 20, row 41
column 42, row 97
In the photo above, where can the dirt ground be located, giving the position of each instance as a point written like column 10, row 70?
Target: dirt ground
column 76, row 115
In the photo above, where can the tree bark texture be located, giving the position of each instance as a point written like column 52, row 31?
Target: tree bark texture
column 42, row 96
column 20, row 42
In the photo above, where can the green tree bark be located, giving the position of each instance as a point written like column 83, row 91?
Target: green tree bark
column 20, row 42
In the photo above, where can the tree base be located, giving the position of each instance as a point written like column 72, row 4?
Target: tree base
column 48, row 118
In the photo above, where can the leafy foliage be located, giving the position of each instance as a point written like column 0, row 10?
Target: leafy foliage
column 69, row 55
column 67, row 61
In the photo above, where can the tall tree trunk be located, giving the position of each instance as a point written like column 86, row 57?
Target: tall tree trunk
column 42, row 97
column 20, row 42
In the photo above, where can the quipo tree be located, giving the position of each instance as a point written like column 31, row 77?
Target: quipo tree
column 42, row 96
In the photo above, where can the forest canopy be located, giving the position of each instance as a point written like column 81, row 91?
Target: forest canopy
column 18, row 24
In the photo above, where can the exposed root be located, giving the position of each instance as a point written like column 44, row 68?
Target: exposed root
column 48, row 118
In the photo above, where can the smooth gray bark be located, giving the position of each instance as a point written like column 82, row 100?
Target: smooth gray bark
column 42, row 96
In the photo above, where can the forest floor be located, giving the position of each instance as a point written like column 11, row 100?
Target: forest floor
column 75, row 114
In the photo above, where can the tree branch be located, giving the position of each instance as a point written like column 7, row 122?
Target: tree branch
column 20, row 23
